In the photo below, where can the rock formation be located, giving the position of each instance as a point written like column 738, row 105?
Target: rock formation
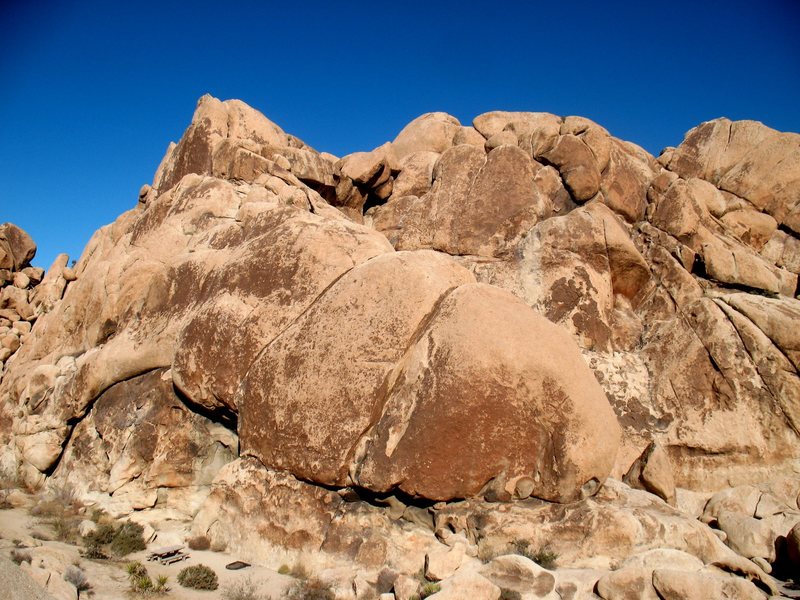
column 462, row 333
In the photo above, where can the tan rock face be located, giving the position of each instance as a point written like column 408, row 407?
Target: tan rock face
column 453, row 423
column 414, row 324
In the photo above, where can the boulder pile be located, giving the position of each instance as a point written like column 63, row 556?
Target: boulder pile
column 445, row 354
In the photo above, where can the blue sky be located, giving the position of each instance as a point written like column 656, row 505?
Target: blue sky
column 92, row 92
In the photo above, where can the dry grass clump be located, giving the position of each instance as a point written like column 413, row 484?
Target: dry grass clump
column 199, row 542
column 59, row 508
column 246, row 589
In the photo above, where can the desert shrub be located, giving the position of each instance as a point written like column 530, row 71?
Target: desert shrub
column 161, row 584
column 283, row 569
column 77, row 578
column 242, row 590
column 47, row 509
column 199, row 542
column 427, row 589
column 198, row 577
column 94, row 552
column 99, row 516
column 310, row 589
column 65, row 528
column 544, row 557
column 135, row 569
column 20, row 555
column 140, row 580
column 127, row 539
column 104, row 534
column 299, row 571
column 506, row 594
column 219, row 546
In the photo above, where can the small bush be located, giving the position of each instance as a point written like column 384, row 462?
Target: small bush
column 19, row 556
column 127, row 539
column 543, row 557
column 65, row 528
column 47, row 509
column 161, row 583
column 509, row 595
column 219, row 546
column 428, row 589
column 198, row 577
column 135, row 569
column 77, row 578
column 310, row 589
column 200, row 542
column 141, row 583
column 242, row 590
column 283, row 570
column 104, row 534
column 99, row 516
column 94, row 552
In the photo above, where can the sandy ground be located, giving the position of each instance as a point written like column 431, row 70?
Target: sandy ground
column 109, row 578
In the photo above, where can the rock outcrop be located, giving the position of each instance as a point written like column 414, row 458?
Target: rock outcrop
column 461, row 333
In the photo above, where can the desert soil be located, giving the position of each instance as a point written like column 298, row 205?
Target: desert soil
column 108, row 577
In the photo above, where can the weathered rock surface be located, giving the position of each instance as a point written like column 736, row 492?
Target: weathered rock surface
column 443, row 344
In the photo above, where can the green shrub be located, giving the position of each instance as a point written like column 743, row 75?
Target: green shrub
column 200, row 542
column 99, row 516
column 198, row 577
column 283, row 569
column 428, row 589
column 127, row 539
column 140, row 580
column 135, row 569
column 104, row 534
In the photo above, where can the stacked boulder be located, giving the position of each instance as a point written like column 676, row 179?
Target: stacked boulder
column 18, row 281
column 462, row 338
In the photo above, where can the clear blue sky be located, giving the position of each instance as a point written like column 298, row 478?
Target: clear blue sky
column 92, row 92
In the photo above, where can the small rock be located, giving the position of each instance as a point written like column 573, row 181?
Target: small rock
column 467, row 584
column 629, row 582
column 35, row 274
column 10, row 341
column 22, row 327
column 442, row 564
column 143, row 191
column 69, row 274
column 501, row 139
column 21, row 280
column 652, row 472
column 405, row 587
